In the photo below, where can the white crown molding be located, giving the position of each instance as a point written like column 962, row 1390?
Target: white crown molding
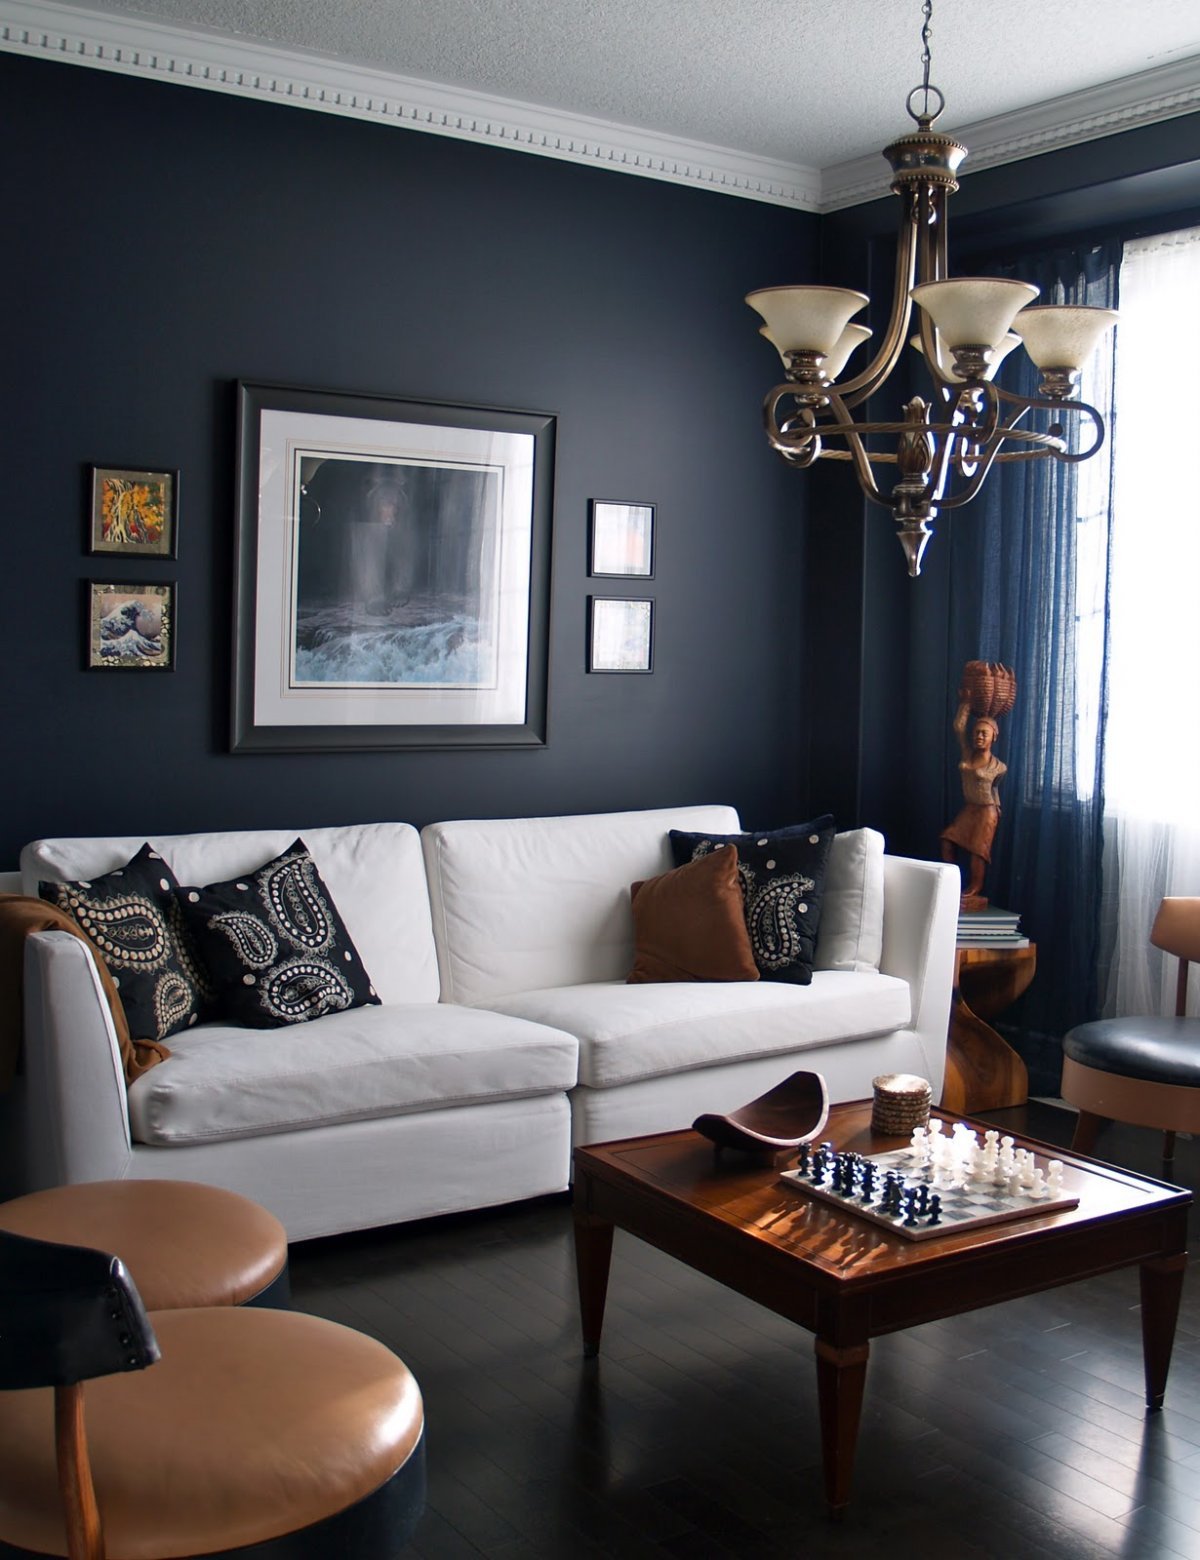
column 1144, row 99
column 198, row 58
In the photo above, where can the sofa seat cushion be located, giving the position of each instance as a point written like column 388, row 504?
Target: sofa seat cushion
column 630, row 1032
column 225, row 1082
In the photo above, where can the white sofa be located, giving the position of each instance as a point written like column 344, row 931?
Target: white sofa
column 506, row 1030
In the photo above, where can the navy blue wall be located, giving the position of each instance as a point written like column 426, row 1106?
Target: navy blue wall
column 165, row 242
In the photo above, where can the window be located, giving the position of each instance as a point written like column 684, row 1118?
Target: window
column 1152, row 761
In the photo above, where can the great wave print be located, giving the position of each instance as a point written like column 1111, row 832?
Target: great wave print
column 395, row 574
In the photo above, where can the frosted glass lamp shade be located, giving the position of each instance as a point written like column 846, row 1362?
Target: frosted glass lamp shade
column 999, row 353
column 1063, row 335
column 806, row 319
column 973, row 311
column 853, row 336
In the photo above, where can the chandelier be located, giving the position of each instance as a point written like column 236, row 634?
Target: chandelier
column 944, row 447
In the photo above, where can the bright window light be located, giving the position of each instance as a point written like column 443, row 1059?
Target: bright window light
column 1152, row 761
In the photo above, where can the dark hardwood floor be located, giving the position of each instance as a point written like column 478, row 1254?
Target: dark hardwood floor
column 1017, row 1432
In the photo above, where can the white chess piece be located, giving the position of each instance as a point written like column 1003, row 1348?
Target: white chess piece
column 1054, row 1176
column 1036, row 1187
column 919, row 1147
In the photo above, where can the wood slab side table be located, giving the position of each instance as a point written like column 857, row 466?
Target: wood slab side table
column 983, row 1072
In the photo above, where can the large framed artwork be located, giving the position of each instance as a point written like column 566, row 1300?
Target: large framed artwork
column 392, row 573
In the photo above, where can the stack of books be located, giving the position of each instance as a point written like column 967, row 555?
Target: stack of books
column 990, row 928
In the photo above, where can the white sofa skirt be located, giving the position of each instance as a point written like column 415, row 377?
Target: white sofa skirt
column 360, row 1174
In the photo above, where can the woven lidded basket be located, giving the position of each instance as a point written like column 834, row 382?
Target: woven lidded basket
column 901, row 1103
column 990, row 688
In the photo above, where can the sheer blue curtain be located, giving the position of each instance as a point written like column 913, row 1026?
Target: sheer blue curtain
column 1030, row 589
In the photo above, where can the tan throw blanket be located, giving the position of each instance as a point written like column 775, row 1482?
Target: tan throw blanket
column 20, row 915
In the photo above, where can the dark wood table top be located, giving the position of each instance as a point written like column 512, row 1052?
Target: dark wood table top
column 678, row 1176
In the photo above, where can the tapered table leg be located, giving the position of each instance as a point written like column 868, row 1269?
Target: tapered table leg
column 841, row 1375
column 593, row 1255
column 1162, row 1285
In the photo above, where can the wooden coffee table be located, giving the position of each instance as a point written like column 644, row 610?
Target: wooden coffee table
column 848, row 1280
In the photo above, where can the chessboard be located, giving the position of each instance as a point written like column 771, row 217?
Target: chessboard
column 916, row 1199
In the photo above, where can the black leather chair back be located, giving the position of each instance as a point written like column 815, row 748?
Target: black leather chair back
column 67, row 1314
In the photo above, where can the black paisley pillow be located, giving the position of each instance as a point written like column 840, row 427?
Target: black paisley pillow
column 783, row 879
column 132, row 917
column 275, row 947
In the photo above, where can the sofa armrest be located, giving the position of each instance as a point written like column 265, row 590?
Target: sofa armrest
column 920, row 923
column 76, row 1118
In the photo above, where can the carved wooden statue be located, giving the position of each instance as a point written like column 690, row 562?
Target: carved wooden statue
column 987, row 691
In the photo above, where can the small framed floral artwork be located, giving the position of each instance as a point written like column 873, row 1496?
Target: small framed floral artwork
column 620, row 634
column 130, row 627
column 622, row 540
column 134, row 513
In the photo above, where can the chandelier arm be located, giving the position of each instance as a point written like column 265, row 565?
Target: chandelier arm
column 855, row 391
column 1046, row 403
column 858, row 451
column 970, row 438
column 984, row 464
column 989, row 451
column 798, row 449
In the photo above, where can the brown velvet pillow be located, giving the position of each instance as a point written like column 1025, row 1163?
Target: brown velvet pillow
column 690, row 923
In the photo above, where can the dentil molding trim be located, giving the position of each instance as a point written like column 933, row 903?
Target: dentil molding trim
column 197, row 57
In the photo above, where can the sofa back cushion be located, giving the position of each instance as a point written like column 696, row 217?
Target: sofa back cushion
column 374, row 873
column 520, row 904
column 851, row 935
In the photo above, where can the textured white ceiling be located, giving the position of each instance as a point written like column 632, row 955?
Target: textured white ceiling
column 805, row 82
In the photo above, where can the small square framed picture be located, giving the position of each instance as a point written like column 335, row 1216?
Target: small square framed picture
column 130, row 627
column 620, row 634
column 622, row 539
column 134, row 513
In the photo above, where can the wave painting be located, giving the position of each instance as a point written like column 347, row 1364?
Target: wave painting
column 421, row 643
column 396, row 575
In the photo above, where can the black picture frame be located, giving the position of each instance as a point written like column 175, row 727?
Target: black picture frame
column 364, row 524
column 621, row 539
column 130, row 626
column 620, row 634
column 126, row 505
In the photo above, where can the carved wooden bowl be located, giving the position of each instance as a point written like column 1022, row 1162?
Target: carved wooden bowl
column 789, row 1114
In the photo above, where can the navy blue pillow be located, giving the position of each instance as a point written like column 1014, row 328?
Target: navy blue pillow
column 132, row 917
column 276, row 949
column 782, row 874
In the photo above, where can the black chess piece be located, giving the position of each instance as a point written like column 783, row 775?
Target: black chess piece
column 868, row 1182
column 910, row 1206
column 804, row 1160
column 923, row 1199
column 935, row 1209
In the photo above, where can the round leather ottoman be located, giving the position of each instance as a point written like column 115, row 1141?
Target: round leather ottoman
column 184, row 1244
column 259, row 1434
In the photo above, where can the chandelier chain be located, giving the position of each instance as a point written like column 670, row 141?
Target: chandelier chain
column 926, row 90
